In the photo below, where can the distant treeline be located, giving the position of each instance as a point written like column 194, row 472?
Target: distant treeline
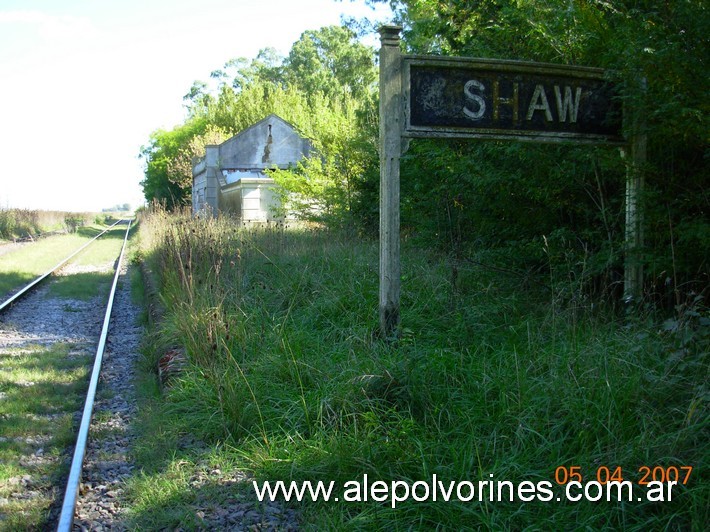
column 118, row 208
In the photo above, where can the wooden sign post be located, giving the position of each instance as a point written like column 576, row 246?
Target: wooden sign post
column 456, row 97
column 390, row 151
column 635, row 179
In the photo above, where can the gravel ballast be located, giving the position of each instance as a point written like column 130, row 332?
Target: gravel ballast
column 41, row 319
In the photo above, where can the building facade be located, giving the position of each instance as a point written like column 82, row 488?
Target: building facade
column 232, row 177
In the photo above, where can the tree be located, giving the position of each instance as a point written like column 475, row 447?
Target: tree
column 331, row 61
column 159, row 154
column 198, row 99
column 179, row 167
column 241, row 72
column 517, row 193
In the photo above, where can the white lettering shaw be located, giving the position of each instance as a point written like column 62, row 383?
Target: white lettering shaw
column 454, row 97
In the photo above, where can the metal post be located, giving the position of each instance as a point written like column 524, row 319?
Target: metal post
column 390, row 150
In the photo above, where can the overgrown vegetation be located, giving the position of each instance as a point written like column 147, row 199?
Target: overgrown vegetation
column 515, row 355
column 287, row 376
column 24, row 223
column 507, row 198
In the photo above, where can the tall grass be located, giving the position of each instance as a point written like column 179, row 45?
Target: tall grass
column 22, row 223
column 279, row 326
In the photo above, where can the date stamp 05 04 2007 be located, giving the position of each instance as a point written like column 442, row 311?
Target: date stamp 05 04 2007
column 604, row 474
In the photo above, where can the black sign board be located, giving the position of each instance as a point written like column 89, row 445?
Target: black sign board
column 458, row 97
column 430, row 96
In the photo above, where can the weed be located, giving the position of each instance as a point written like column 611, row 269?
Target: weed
column 41, row 389
column 487, row 379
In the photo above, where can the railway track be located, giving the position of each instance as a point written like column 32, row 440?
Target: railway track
column 73, row 324
column 30, row 286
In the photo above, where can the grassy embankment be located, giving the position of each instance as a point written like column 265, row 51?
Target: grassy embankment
column 23, row 223
column 491, row 379
column 43, row 386
column 21, row 266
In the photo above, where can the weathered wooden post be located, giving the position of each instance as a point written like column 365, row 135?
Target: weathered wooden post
column 633, row 266
column 390, row 151
column 458, row 97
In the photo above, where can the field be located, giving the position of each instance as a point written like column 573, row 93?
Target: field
column 492, row 378
column 23, row 265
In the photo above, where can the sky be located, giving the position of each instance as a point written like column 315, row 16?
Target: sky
column 83, row 83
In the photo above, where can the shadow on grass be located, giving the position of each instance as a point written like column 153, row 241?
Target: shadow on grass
column 88, row 231
column 47, row 398
column 198, row 502
column 91, row 232
column 33, row 362
column 11, row 282
column 118, row 231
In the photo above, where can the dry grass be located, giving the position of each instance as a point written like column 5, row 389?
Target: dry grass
column 23, row 223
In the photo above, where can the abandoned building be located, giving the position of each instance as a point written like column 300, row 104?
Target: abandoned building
column 232, row 177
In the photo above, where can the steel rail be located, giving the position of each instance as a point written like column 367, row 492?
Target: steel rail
column 5, row 304
column 66, row 517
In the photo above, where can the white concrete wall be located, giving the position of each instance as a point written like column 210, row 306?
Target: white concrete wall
column 230, row 178
column 252, row 200
column 270, row 143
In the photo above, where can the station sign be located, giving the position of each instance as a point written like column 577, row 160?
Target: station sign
column 479, row 98
column 458, row 97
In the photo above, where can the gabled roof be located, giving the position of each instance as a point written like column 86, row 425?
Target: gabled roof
column 269, row 118
column 271, row 142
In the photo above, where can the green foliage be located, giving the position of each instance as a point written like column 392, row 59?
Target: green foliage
column 164, row 148
column 461, row 196
column 285, row 369
column 564, row 211
column 179, row 167
column 73, row 222
column 330, row 62
column 7, row 223
column 522, row 194
column 266, row 67
column 328, row 187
